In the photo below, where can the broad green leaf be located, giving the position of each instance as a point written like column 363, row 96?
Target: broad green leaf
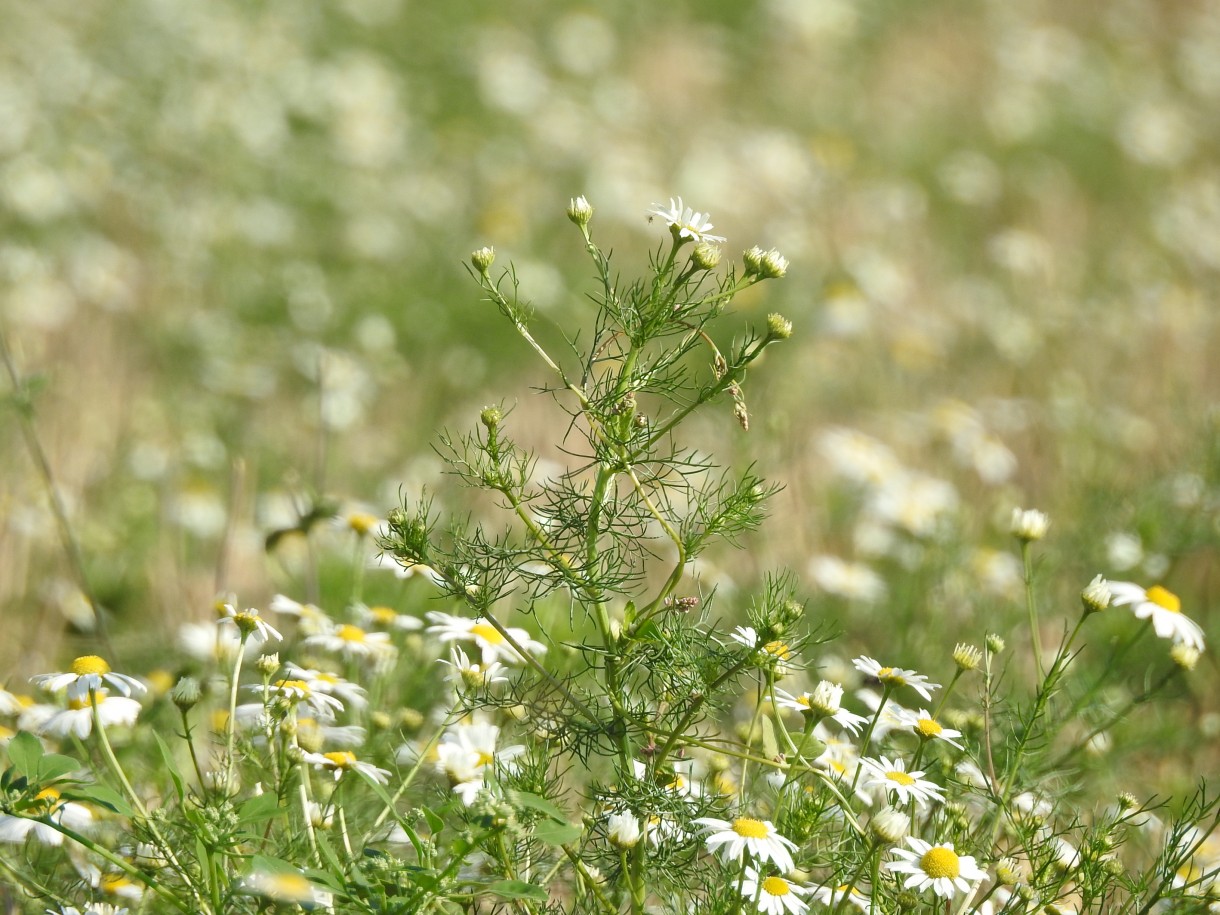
column 770, row 747
column 24, row 751
column 53, row 766
column 100, row 794
column 435, row 823
column 534, row 802
column 553, row 833
column 258, row 808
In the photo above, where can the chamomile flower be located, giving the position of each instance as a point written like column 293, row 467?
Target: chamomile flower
column 248, row 623
column 831, row 896
column 386, row 618
column 890, row 777
column 93, row 908
column 351, row 642
column 1161, row 606
column 16, row 829
column 775, row 895
column 88, row 674
column 467, row 753
column 623, row 829
column 465, row 673
column 320, row 681
column 926, row 727
column 777, row 653
column 340, row 761
column 77, row 718
column 823, row 702
column 745, row 834
column 307, row 699
column 895, row 676
column 489, row 640
column 684, row 222
column 312, row 618
column 288, row 887
column 935, row 867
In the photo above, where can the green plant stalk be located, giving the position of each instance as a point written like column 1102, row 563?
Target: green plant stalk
column 1031, row 607
column 854, row 879
column 303, row 789
column 113, row 762
column 231, row 723
column 31, row 885
column 886, row 690
column 594, row 887
column 454, row 715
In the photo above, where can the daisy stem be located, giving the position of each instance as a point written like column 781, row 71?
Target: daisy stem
column 454, row 715
column 358, row 571
column 750, row 739
column 886, row 690
column 945, row 695
column 1031, row 606
column 592, row 884
column 338, row 808
column 190, row 745
column 303, row 786
column 855, row 878
column 231, row 723
column 113, row 762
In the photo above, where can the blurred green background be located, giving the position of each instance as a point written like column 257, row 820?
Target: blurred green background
column 232, row 238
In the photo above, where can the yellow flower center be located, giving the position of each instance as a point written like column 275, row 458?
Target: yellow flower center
column 900, row 777
column 928, row 727
column 804, row 700
column 350, row 633
column 113, row 883
column 485, row 758
column 90, row 664
column 1164, row 598
column 79, row 704
column 778, row 649
column 940, row 862
column 750, row 829
column 887, row 675
column 488, row 633
column 341, row 758
column 775, row 886
column 361, row 522
column 50, row 796
column 288, row 888
column 383, row 616
column 293, row 686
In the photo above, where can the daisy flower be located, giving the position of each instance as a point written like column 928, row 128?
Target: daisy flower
column 16, row 829
column 831, row 896
column 313, row 618
column 88, row 674
column 891, row 777
column 1163, row 607
column 824, row 702
column 928, row 728
column 298, row 691
column 684, row 222
column 320, row 681
column 486, row 637
column 758, row 837
column 287, row 886
column 386, row 618
column 466, row 752
column 248, row 623
column 470, row 675
column 351, row 641
column 77, row 718
column 93, row 908
column 623, row 829
column 895, row 676
column 937, row 867
column 775, row 895
column 340, row 761
column 780, row 654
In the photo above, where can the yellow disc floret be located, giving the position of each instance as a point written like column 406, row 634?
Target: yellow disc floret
column 750, row 829
column 928, row 727
column 940, row 862
column 1164, row 598
column 775, row 886
column 341, row 759
column 350, row 633
column 90, row 664
column 900, row 777
column 488, row 633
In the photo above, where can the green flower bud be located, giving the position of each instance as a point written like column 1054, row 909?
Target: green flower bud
column 580, row 211
column 483, row 259
column 705, row 256
column 778, row 327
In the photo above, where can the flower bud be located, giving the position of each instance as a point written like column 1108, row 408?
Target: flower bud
column 580, row 211
column 967, row 657
column 773, row 266
column 623, row 830
column 705, row 256
column 1008, row 872
column 1029, row 524
column 753, row 260
column 268, row 664
column 1096, row 596
column 778, row 327
column 483, row 259
column 890, row 825
column 1185, row 656
column 186, row 693
column 994, row 643
column 490, row 417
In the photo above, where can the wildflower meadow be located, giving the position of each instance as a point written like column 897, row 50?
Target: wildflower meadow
column 849, row 550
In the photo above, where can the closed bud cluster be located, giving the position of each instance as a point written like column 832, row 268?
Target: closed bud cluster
column 778, row 327
column 682, row 604
column 994, row 643
column 1096, row 596
column 967, row 657
column 1029, row 524
column 1007, row 872
column 490, row 417
column 705, row 256
column 483, row 259
column 580, row 211
column 890, row 825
